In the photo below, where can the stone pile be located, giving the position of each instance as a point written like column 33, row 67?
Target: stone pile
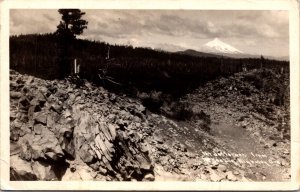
column 262, row 95
column 60, row 131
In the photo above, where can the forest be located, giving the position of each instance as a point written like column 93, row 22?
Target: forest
column 41, row 55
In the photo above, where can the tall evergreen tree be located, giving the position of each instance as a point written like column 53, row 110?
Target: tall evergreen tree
column 71, row 24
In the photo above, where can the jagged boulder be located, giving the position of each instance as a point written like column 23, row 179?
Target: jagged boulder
column 21, row 170
column 113, row 148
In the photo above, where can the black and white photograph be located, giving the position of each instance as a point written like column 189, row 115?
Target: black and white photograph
column 147, row 95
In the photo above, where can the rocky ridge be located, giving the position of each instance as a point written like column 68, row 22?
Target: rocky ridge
column 62, row 132
column 73, row 130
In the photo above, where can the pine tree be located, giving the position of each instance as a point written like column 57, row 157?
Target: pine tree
column 71, row 24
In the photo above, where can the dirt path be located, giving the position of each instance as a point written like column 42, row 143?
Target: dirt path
column 259, row 162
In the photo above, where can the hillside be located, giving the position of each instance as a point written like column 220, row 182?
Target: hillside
column 72, row 129
column 192, row 52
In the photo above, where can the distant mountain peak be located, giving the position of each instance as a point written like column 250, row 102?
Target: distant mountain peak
column 218, row 46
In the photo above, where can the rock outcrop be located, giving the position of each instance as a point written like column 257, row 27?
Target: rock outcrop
column 60, row 131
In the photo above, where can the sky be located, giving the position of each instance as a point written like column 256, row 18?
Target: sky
column 253, row 32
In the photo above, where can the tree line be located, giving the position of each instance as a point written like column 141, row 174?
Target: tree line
column 52, row 55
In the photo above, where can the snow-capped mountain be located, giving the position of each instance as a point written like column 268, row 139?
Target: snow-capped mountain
column 218, row 46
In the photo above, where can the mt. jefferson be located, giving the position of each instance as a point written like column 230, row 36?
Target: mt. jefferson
column 218, row 46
